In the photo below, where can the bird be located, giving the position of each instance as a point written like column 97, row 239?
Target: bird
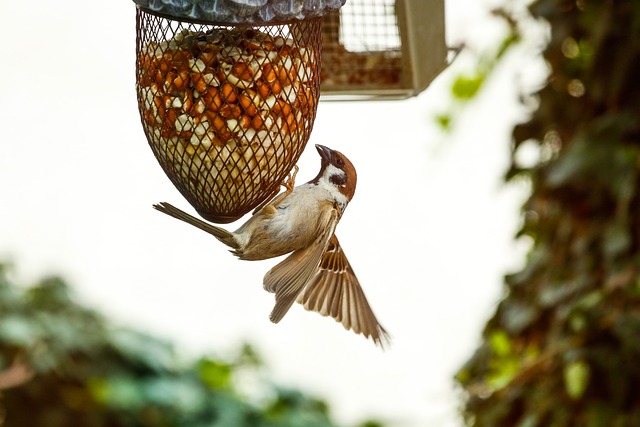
column 301, row 221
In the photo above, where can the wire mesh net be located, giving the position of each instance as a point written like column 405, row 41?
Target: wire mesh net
column 361, row 47
column 227, row 110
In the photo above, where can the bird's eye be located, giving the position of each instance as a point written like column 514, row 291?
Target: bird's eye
column 339, row 162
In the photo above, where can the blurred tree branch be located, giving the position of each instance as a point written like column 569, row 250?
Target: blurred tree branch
column 15, row 375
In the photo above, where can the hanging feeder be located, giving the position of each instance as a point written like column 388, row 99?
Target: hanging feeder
column 382, row 48
column 227, row 93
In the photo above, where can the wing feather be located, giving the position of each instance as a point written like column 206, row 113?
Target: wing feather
column 288, row 278
column 335, row 291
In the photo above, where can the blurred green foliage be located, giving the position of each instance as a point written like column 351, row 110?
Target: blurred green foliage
column 467, row 85
column 563, row 347
column 64, row 365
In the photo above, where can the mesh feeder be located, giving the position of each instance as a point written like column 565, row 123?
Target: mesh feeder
column 227, row 93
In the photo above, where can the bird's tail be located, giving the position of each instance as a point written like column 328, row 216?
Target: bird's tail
column 219, row 233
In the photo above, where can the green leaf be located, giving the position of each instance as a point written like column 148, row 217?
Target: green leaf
column 215, row 374
column 249, row 357
column 182, row 394
column 518, row 315
column 19, row 331
column 143, row 350
column 576, row 378
column 231, row 411
column 578, row 322
column 123, row 393
column 530, row 420
column 504, row 364
column 617, row 239
column 466, row 87
column 444, row 120
column 98, row 389
column 500, row 343
column 502, row 372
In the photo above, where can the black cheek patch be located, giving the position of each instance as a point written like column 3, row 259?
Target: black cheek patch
column 338, row 179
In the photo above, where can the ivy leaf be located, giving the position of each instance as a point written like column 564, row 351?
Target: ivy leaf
column 576, row 378
column 444, row 120
column 617, row 239
column 466, row 87
column 500, row 343
column 19, row 331
column 215, row 374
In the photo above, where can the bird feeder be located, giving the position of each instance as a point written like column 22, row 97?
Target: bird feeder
column 382, row 48
column 227, row 93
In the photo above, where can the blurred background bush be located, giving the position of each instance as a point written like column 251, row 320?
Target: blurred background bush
column 62, row 364
column 563, row 347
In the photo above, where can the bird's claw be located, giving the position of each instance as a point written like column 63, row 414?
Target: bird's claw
column 290, row 181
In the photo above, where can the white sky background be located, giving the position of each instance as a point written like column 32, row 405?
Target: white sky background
column 429, row 232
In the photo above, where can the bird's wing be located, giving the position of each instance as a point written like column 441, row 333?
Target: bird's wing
column 334, row 291
column 288, row 278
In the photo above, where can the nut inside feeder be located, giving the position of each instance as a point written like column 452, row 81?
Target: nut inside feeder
column 227, row 108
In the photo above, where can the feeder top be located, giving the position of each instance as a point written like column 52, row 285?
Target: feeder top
column 239, row 12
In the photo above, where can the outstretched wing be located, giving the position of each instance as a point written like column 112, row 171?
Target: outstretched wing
column 288, row 278
column 334, row 291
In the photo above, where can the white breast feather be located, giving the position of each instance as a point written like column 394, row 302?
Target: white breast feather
column 299, row 210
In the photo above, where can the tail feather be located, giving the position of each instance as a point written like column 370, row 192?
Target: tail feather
column 219, row 233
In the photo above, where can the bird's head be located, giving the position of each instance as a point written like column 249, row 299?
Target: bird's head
column 337, row 173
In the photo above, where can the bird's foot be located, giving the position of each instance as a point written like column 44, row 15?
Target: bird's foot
column 290, row 181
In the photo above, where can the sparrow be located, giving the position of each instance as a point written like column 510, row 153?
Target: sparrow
column 301, row 221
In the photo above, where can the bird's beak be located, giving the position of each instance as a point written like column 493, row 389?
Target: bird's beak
column 324, row 152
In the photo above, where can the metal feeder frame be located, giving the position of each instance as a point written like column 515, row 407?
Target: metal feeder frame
column 382, row 70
